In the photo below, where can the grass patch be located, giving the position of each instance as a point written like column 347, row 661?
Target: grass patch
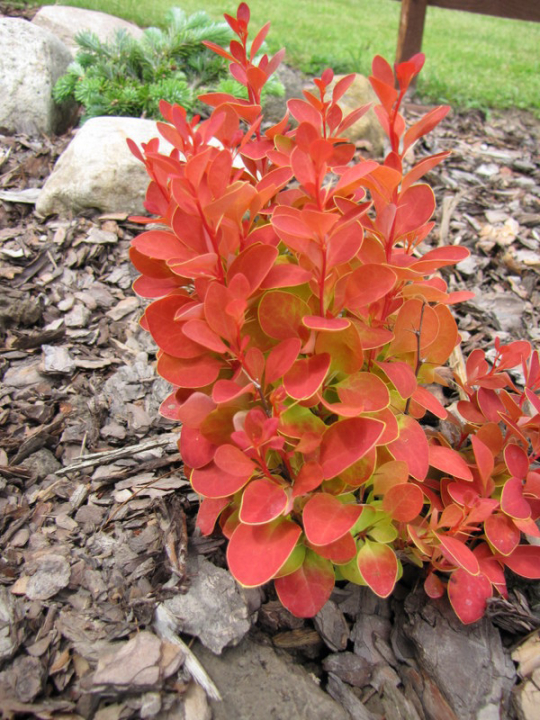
column 472, row 60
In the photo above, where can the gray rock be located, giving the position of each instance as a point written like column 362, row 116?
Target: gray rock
column 97, row 169
column 57, row 359
column 66, row 22
column 453, row 655
column 214, row 609
column 43, row 463
column 24, row 374
column 31, row 61
column 256, row 682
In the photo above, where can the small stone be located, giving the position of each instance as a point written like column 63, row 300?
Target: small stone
column 57, row 359
column 51, row 576
column 43, row 463
column 78, row 317
column 23, row 374
column 123, row 308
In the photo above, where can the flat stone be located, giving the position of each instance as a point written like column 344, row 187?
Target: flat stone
column 67, row 22
column 214, row 609
column 257, row 682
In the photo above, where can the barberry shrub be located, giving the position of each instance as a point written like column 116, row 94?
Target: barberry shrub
column 302, row 327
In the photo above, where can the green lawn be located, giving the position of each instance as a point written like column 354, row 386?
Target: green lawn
column 472, row 60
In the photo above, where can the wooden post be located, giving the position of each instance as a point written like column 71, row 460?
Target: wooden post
column 411, row 28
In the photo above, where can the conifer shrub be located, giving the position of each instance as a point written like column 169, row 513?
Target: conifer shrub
column 302, row 318
column 129, row 77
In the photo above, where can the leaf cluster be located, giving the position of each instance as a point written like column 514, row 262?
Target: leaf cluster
column 128, row 77
column 303, row 328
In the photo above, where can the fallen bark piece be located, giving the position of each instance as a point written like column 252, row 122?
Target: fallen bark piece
column 213, row 610
column 348, row 667
column 453, row 656
column 332, row 626
column 51, row 576
column 142, row 663
column 345, row 697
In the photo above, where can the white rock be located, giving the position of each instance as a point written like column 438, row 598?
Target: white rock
column 66, row 22
column 31, row 61
column 97, row 169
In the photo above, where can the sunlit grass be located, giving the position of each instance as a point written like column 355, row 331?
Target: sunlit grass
column 472, row 60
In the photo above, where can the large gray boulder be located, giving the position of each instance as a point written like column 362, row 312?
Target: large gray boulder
column 31, row 61
column 97, row 169
column 66, row 22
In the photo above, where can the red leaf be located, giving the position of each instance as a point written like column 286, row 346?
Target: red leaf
column 286, row 275
column 195, row 373
column 262, row 502
column 468, row 595
column 195, row 449
column 367, row 284
column 516, row 461
column 379, row 567
column 309, row 478
column 281, row 358
column 524, row 561
column 428, row 401
column 403, row 502
column 347, row 441
column 281, row 313
column 232, row 460
column 449, row 462
column 306, row 590
column 306, row 376
column 459, row 554
column 210, row 481
column 226, row 390
column 339, row 552
column 255, row 262
column 433, row 586
column 365, row 391
column 512, row 501
column 159, row 245
column 484, row 458
column 304, row 112
column 326, row 519
column 199, row 332
column 401, row 375
column 424, row 125
column 411, row 447
column 502, row 534
column 209, row 511
column 256, row 552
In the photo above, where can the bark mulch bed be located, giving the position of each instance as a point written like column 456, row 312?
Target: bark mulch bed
column 95, row 513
